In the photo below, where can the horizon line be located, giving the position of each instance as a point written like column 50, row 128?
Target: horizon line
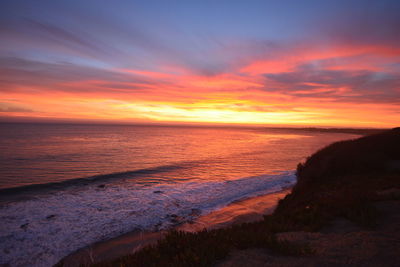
column 8, row 120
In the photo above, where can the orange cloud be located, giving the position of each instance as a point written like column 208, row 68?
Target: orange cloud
column 349, row 57
column 336, row 86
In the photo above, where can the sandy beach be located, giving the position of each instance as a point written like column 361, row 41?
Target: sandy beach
column 246, row 210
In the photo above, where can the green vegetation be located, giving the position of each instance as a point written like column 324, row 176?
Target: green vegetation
column 206, row 247
column 340, row 180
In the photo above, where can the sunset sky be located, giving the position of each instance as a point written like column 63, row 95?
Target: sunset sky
column 299, row 63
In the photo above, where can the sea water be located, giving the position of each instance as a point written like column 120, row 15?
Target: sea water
column 65, row 186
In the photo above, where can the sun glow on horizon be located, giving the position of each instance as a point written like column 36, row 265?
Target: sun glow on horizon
column 336, row 73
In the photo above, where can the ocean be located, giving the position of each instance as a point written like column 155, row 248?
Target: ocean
column 65, row 186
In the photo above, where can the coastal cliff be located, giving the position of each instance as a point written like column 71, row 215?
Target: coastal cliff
column 342, row 180
column 345, row 207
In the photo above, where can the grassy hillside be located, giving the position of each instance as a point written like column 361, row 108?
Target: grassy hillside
column 341, row 180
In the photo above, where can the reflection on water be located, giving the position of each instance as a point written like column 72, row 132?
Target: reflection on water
column 43, row 153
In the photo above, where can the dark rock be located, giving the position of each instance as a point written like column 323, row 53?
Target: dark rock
column 158, row 192
column 50, row 216
column 101, row 186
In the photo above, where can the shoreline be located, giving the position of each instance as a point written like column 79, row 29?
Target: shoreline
column 242, row 211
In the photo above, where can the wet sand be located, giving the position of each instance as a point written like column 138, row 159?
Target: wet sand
column 247, row 210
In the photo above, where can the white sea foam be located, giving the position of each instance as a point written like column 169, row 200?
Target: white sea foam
column 40, row 232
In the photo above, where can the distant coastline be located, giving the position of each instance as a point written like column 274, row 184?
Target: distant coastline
column 325, row 129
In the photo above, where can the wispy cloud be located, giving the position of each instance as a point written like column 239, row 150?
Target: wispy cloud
column 139, row 61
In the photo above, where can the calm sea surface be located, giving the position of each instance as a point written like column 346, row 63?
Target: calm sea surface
column 45, row 153
column 66, row 186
